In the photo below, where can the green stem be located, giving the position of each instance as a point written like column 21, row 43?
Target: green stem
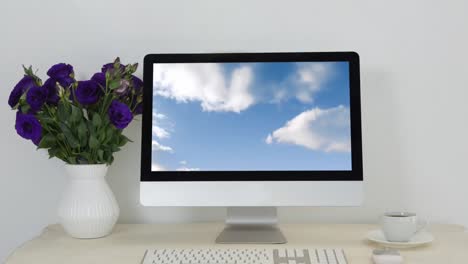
column 64, row 145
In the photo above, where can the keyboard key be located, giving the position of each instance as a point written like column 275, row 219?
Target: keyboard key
column 340, row 256
column 330, row 256
column 282, row 253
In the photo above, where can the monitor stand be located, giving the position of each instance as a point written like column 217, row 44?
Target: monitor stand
column 251, row 225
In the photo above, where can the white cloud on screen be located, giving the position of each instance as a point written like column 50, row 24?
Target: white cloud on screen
column 205, row 83
column 187, row 169
column 160, row 132
column 156, row 167
column 279, row 95
column 159, row 147
column 309, row 79
column 159, row 116
column 316, row 129
column 158, row 120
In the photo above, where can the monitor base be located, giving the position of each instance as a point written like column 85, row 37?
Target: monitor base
column 251, row 235
column 251, row 225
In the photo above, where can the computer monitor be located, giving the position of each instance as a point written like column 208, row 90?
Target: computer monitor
column 251, row 132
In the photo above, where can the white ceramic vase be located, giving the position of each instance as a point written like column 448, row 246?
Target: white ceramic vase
column 88, row 208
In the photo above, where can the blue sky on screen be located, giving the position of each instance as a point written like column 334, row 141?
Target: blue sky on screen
column 251, row 116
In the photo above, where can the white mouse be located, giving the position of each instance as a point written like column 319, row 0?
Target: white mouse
column 386, row 256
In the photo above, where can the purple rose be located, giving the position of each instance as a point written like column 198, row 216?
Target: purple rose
column 36, row 97
column 100, row 78
column 52, row 93
column 88, row 92
column 137, row 84
column 110, row 66
column 20, row 88
column 119, row 114
column 28, row 127
column 62, row 73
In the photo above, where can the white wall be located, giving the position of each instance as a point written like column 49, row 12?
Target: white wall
column 414, row 61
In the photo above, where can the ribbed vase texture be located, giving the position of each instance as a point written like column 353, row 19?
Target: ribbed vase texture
column 88, row 208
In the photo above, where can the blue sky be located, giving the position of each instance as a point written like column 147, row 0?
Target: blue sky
column 251, row 116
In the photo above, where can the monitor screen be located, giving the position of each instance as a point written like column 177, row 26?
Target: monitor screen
column 251, row 116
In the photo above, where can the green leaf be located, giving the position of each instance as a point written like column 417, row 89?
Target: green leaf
column 61, row 154
column 123, row 140
column 57, row 152
column 114, row 84
column 47, row 141
column 93, row 142
column 108, row 77
column 117, row 63
column 25, row 108
column 69, row 137
column 27, row 70
column 110, row 160
column 62, row 112
column 52, row 152
column 100, row 154
column 76, row 114
column 61, row 137
column 72, row 160
column 97, row 121
column 47, row 120
column 109, row 133
column 74, row 143
column 115, row 148
column 82, row 131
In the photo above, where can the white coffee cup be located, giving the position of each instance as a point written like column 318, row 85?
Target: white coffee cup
column 401, row 226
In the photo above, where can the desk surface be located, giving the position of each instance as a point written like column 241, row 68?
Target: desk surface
column 128, row 242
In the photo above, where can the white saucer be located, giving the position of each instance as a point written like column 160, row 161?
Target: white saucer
column 421, row 238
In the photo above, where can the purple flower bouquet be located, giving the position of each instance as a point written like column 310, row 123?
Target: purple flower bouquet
column 79, row 122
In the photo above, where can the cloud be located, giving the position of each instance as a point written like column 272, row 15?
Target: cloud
column 157, row 167
column 161, row 125
column 160, row 132
column 205, row 83
column 309, row 79
column 187, row 169
column 303, row 83
column 159, row 116
column 279, row 95
column 158, row 147
column 184, row 167
column 317, row 129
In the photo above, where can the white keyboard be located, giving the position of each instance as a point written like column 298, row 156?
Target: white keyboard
column 244, row 256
